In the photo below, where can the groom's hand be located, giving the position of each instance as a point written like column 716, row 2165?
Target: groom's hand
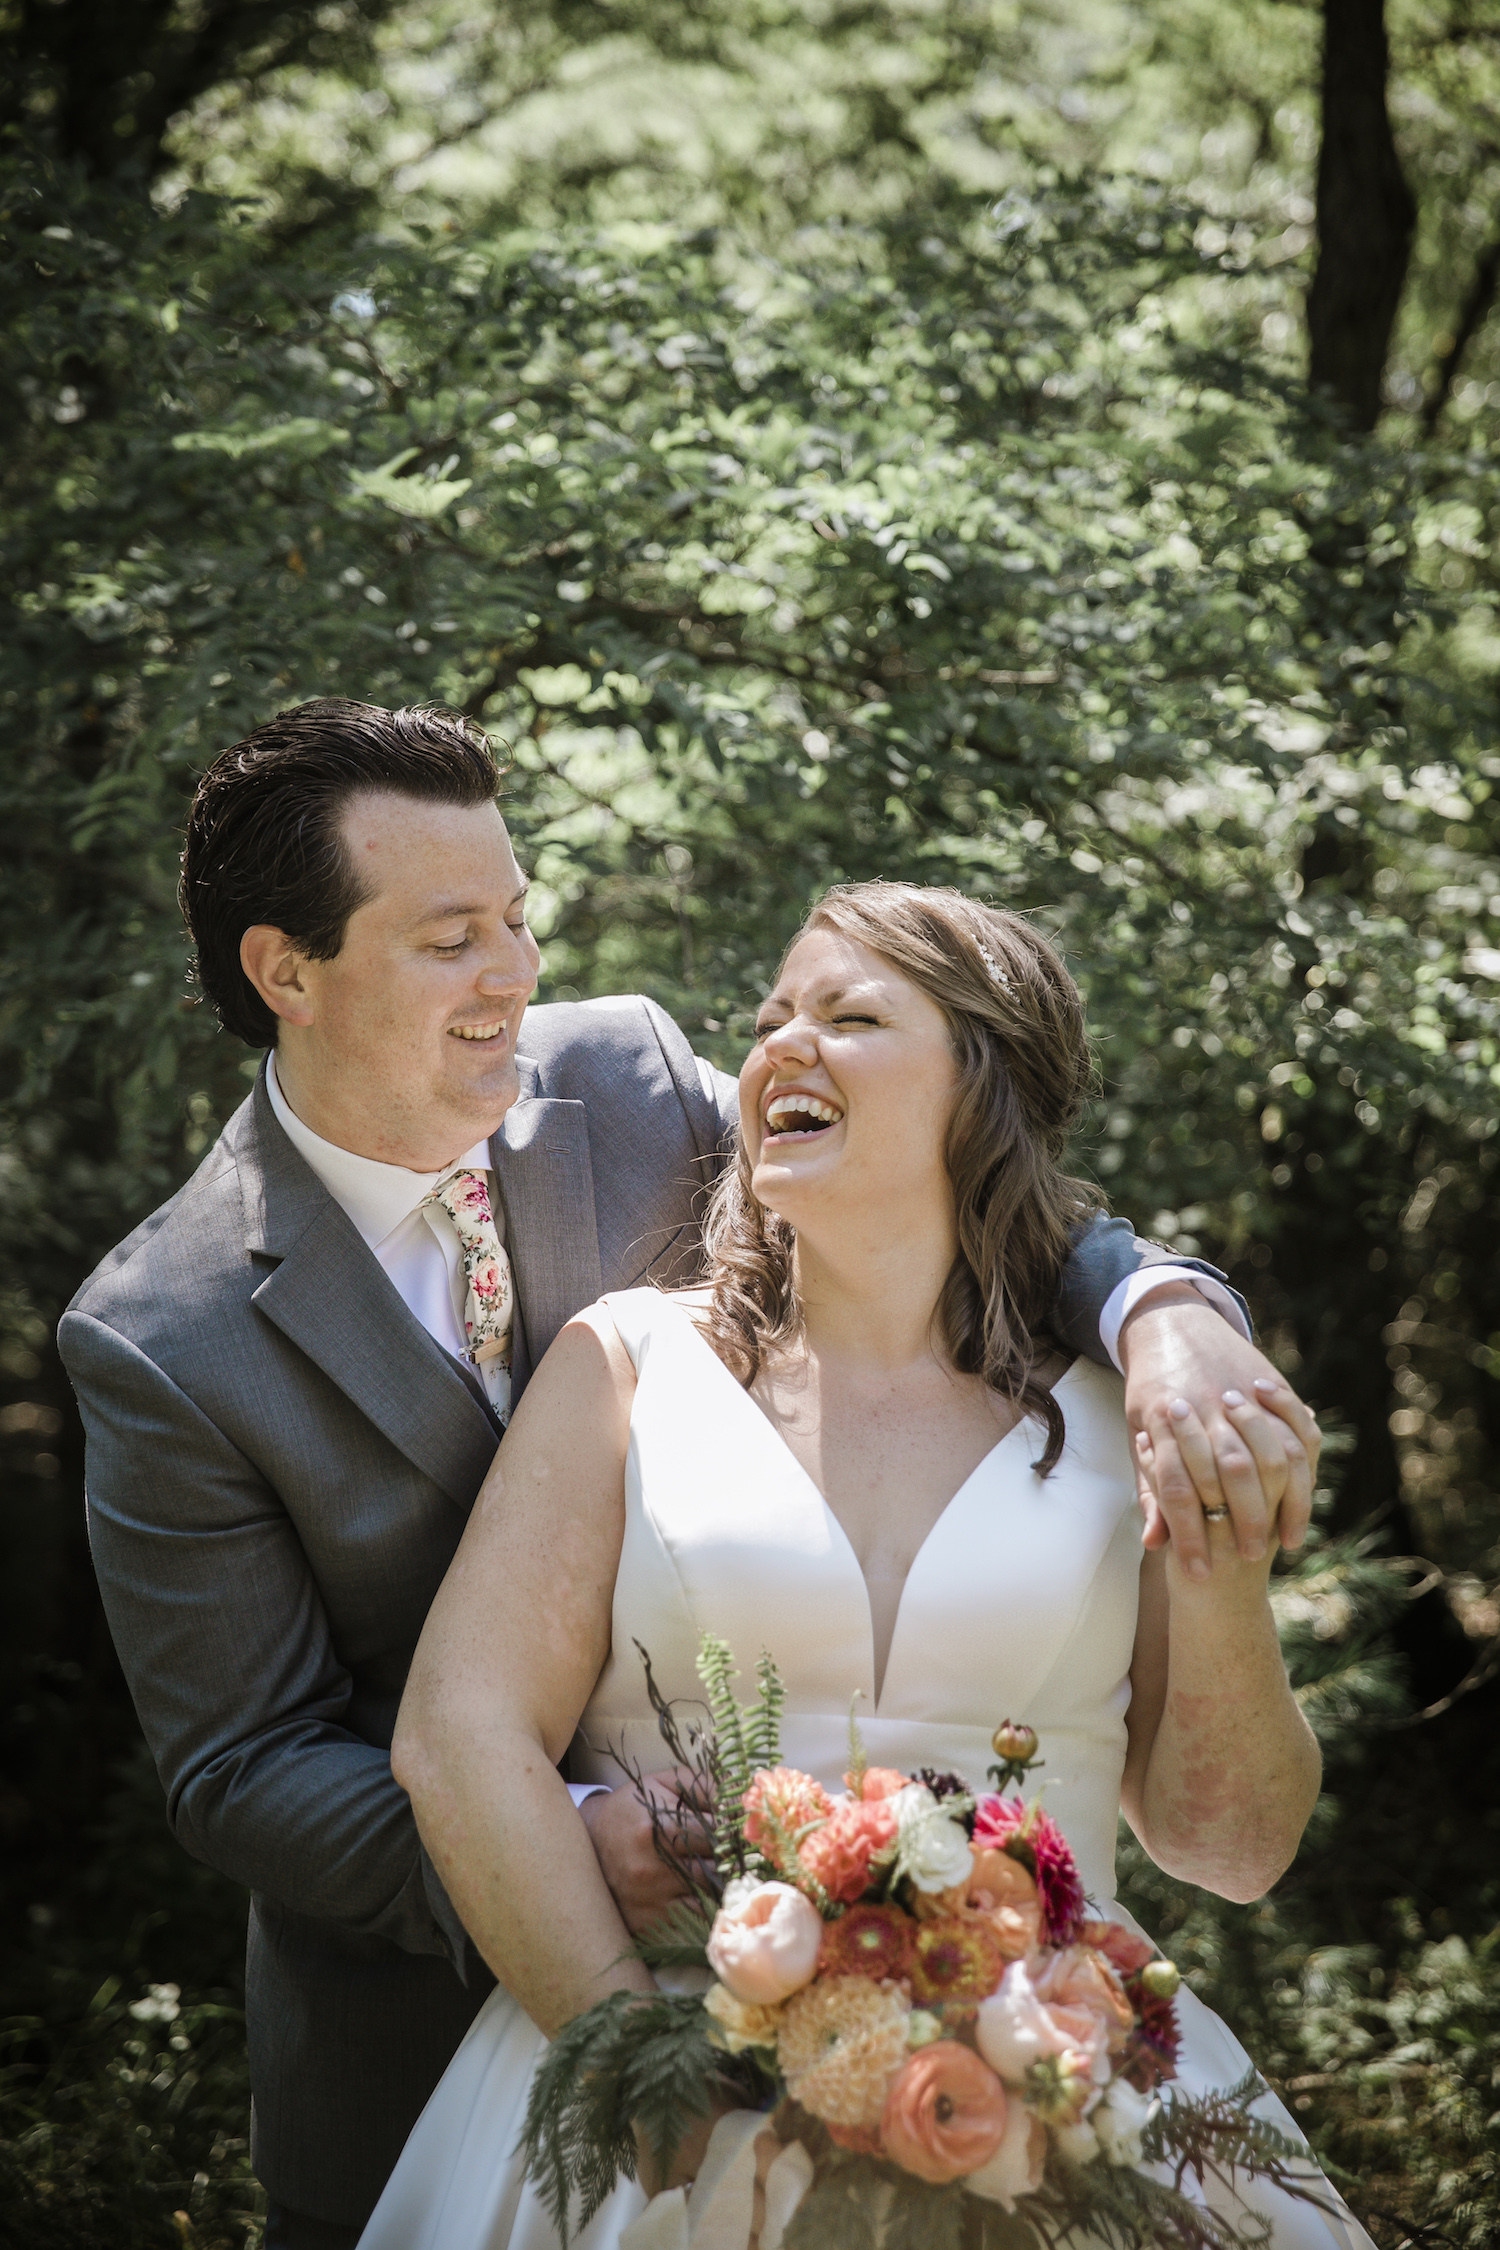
column 1222, row 1429
column 620, row 1827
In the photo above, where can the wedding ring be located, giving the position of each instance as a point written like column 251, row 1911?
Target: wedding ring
column 1216, row 1515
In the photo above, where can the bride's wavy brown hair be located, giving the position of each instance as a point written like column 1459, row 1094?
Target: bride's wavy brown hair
column 1016, row 1021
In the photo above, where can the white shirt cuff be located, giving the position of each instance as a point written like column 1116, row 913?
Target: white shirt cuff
column 1123, row 1300
column 578, row 1790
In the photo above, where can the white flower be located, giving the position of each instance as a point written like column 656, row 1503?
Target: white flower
column 932, row 1850
column 1078, row 2140
column 1120, row 2119
column 160, row 2004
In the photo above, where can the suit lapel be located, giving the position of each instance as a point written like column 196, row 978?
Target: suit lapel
column 546, row 1179
column 330, row 1296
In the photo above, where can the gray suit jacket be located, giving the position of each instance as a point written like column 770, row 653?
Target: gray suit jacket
column 280, row 1463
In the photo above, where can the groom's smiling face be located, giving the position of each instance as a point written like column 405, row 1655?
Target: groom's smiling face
column 403, row 1046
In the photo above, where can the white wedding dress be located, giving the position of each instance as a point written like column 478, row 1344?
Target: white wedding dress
column 1021, row 1604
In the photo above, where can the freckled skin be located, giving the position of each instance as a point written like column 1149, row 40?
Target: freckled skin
column 1222, row 1770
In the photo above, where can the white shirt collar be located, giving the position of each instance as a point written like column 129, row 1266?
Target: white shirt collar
column 377, row 1197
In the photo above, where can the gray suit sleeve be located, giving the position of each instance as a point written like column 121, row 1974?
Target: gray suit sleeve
column 227, row 1650
column 1107, row 1252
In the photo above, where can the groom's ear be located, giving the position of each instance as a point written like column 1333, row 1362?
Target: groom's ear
column 275, row 968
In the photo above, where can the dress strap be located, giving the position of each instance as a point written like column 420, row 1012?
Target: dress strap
column 637, row 1314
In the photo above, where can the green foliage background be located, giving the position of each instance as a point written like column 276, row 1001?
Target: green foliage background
column 819, row 443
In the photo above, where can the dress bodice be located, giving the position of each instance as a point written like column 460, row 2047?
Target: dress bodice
column 1020, row 1604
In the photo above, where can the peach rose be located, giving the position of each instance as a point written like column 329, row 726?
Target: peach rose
column 1018, row 2163
column 1077, row 1977
column 1016, row 2027
column 945, row 2113
column 765, row 1942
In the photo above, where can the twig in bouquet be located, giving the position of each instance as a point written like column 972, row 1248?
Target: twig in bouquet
column 1217, row 2135
column 680, row 1831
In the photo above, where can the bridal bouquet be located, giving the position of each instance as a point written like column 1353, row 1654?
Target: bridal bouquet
column 907, row 1980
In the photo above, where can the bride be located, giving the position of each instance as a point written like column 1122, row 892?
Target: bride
column 855, row 1447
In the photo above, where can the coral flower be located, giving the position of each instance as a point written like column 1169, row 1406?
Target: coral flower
column 876, row 1783
column 1007, row 1824
column 1122, row 1949
column 868, row 1941
column 1000, row 1889
column 841, row 2041
column 945, row 2113
column 765, row 1941
column 958, row 1958
column 838, row 1855
column 779, row 1804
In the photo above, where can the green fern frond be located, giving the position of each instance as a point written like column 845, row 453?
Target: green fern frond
column 678, row 1938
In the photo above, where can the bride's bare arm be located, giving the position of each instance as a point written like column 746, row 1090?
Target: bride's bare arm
column 1222, row 1771
column 507, row 1660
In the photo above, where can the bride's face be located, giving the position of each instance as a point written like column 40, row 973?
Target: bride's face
column 846, row 1096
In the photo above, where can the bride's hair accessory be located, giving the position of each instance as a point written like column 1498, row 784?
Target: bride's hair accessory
column 996, row 974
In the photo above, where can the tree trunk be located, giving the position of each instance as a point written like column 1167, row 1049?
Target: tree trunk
column 1365, row 214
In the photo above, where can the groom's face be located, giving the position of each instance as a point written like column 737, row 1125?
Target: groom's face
column 408, row 1047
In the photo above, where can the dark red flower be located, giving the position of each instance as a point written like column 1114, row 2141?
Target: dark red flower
column 1156, row 2039
column 1008, row 1824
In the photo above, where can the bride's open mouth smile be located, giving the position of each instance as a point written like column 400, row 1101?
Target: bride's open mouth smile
column 798, row 1117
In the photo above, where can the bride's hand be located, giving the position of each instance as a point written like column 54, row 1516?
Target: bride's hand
column 1224, row 1430
column 620, row 1828
column 690, row 2152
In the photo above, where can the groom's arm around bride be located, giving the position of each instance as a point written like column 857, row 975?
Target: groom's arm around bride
column 294, row 1375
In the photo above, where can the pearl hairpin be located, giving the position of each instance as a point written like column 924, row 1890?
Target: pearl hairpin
column 997, row 974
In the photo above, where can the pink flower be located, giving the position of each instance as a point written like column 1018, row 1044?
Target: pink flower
column 765, row 1942
column 486, row 1280
column 1008, row 1824
column 1018, row 2163
column 1017, row 2028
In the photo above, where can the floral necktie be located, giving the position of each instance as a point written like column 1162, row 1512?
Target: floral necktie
column 489, row 1301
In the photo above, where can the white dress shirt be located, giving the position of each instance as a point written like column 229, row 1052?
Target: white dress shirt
column 1124, row 1298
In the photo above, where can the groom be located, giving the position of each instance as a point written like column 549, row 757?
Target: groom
column 295, row 1374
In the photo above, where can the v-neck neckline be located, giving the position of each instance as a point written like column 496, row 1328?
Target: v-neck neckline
column 877, row 1686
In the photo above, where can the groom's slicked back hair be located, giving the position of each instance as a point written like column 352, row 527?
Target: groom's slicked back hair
column 265, row 840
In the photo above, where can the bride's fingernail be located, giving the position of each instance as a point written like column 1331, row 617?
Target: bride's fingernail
column 1267, row 1384
column 1234, row 1398
column 1179, row 1410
